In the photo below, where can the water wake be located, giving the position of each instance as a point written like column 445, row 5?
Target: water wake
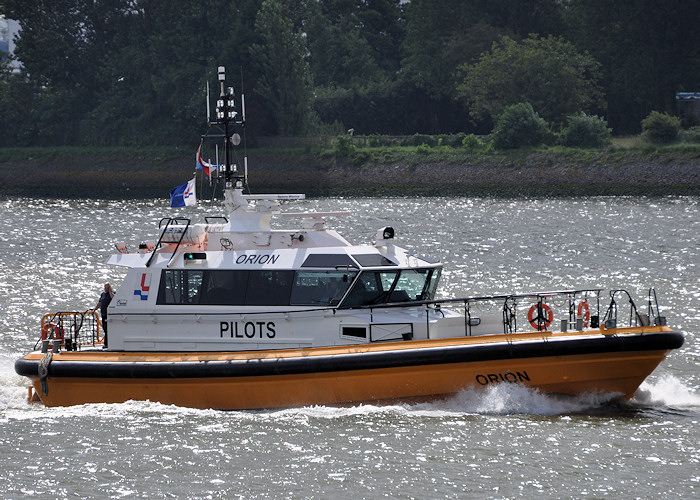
column 506, row 399
column 667, row 392
column 13, row 387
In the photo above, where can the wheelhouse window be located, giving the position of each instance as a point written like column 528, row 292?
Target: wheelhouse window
column 269, row 288
column 411, row 285
column 379, row 287
column 180, row 287
column 222, row 287
column 320, row 287
column 253, row 287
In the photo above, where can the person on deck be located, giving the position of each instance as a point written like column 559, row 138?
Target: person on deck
column 102, row 303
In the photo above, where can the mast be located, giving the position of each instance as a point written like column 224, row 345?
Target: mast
column 249, row 213
column 227, row 117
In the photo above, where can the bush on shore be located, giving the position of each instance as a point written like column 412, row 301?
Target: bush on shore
column 660, row 128
column 585, row 131
column 520, row 126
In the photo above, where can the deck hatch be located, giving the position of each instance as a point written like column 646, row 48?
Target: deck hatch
column 382, row 332
column 373, row 260
column 329, row 260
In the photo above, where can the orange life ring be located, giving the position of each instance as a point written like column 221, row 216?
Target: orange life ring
column 583, row 311
column 51, row 331
column 543, row 320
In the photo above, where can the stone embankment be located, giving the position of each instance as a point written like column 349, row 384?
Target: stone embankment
column 525, row 174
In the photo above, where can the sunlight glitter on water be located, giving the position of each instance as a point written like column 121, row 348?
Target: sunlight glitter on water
column 505, row 442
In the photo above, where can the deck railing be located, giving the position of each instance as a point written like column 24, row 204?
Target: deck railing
column 70, row 330
column 559, row 310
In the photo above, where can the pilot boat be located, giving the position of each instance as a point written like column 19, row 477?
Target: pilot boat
column 231, row 313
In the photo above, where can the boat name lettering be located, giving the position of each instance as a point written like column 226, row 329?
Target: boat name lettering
column 247, row 330
column 495, row 378
column 257, row 259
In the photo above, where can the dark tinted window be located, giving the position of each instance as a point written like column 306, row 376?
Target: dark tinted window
column 224, row 287
column 234, row 288
column 320, row 287
column 269, row 288
column 370, row 288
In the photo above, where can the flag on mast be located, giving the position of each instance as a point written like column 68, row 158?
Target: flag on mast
column 208, row 168
column 183, row 195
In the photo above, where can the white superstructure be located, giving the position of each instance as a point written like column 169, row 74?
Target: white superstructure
column 238, row 284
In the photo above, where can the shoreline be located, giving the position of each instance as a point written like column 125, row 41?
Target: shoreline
column 532, row 174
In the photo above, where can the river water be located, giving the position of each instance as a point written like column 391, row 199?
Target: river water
column 507, row 442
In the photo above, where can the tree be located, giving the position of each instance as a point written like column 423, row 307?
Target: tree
column 442, row 36
column 126, row 71
column 429, row 26
column 60, row 47
column 154, row 90
column 285, row 79
column 353, row 42
column 523, row 17
column 547, row 72
column 648, row 51
column 354, row 55
column 16, row 108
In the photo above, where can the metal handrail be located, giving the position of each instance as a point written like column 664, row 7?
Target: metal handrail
column 174, row 221
column 511, row 306
column 71, row 324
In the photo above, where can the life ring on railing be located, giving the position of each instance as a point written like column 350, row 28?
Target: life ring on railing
column 51, row 331
column 583, row 311
column 542, row 320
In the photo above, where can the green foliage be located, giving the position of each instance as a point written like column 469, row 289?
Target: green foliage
column 547, row 72
column 113, row 72
column 451, row 140
column 646, row 51
column 520, row 126
column 378, row 141
column 420, row 139
column 343, row 146
column 585, row 131
column 660, row 128
column 285, row 78
column 431, row 61
column 17, row 99
column 367, row 34
column 692, row 135
column 386, row 107
column 472, row 143
column 442, row 36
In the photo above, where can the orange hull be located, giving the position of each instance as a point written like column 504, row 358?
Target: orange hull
column 617, row 372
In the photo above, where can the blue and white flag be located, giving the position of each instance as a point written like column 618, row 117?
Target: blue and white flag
column 183, row 195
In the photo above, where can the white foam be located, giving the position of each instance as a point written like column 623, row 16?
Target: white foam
column 500, row 399
column 505, row 399
column 13, row 387
column 667, row 391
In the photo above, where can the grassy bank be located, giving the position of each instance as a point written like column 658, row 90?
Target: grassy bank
column 625, row 168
